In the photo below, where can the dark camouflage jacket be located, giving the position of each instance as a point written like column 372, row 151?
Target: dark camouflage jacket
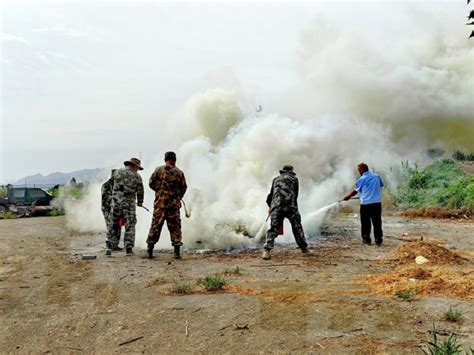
column 106, row 192
column 284, row 192
column 128, row 187
column 169, row 185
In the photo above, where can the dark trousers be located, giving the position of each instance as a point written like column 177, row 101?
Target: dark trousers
column 371, row 214
column 277, row 216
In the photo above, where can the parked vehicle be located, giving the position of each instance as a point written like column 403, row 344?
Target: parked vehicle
column 22, row 197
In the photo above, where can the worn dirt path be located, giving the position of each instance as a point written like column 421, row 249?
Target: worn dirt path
column 53, row 302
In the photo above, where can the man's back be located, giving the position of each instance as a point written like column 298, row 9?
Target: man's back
column 284, row 192
column 369, row 188
column 128, row 186
column 169, row 185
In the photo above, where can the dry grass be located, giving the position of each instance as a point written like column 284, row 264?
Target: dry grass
column 426, row 281
column 441, row 276
column 435, row 212
column 435, row 253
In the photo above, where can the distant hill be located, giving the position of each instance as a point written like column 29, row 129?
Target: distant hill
column 84, row 175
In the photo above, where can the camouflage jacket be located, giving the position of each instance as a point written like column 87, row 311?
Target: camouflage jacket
column 284, row 191
column 169, row 185
column 128, row 187
column 106, row 192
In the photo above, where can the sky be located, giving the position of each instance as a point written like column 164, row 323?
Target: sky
column 89, row 84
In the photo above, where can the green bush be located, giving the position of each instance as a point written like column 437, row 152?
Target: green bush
column 438, row 184
column 406, row 295
column 76, row 192
column 7, row 215
column 234, row 271
column 448, row 346
column 181, row 288
column 3, row 192
column 461, row 156
column 212, row 282
column 452, row 315
column 435, row 152
column 55, row 212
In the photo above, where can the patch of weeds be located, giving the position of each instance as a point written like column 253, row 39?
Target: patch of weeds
column 448, row 346
column 55, row 212
column 452, row 315
column 181, row 288
column 234, row 271
column 212, row 282
column 7, row 215
column 157, row 281
column 406, row 295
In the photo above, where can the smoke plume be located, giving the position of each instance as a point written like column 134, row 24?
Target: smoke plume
column 358, row 99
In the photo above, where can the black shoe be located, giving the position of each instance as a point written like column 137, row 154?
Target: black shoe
column 108, row 252
column 149, row 251
column 129, row 252
column 378, row 242
column 117, row 248
column 367, row 242
column 177, row 254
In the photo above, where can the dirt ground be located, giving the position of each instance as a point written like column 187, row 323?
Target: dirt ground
column 51, row 301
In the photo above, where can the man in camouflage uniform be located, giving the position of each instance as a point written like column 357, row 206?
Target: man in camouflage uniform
column 106, row 192
column 127, row 193
column 282, row 201
column 169, row 185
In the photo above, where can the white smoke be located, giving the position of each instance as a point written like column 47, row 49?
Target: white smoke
column 353, row 94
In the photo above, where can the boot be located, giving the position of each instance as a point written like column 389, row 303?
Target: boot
column 266, row 255
column 149, row 251
column 177, row 254
column 305, row 251
column 129, row 251
column 108, row 252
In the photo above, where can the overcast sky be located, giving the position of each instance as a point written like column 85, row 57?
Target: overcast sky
column 87, row 84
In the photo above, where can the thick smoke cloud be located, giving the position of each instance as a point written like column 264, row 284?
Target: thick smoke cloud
column 358, row 100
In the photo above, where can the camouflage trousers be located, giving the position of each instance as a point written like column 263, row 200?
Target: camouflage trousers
column 277, row 216
column 127, row 212
column 173, row 221
column 109, row 226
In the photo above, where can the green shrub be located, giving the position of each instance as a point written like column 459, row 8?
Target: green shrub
column 234, row 271
column 448, row 346
column 3, row 192
column 7, row 215
column 181, row 288
column 435, row 152
column 438, row 184
column 452, row 315
column 461, row 156
column 55, row 212
column 406, row 295
column 212, row 282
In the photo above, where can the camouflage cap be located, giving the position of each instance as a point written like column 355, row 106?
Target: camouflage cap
column 287, row 169
column 133, row 161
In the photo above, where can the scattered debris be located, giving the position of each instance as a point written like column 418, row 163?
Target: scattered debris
column 420, row 260
column 131, row 340
column 272, row 265
column 186, row 329
column 89, row 256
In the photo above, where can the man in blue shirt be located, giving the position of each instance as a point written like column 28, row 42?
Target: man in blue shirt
column 369, row 187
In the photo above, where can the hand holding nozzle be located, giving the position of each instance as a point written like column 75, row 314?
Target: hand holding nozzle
column 146, row 209
column 187, row 213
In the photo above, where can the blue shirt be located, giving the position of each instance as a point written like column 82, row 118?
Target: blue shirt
column 369, row 187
